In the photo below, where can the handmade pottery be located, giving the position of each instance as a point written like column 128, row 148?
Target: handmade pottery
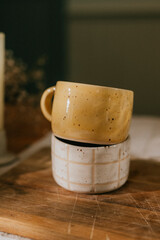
column 90, row 169
column 88, row 113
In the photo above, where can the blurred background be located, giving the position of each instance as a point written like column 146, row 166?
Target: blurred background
column 111, row 43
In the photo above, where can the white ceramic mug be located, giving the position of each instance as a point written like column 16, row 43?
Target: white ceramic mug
column 90, row 169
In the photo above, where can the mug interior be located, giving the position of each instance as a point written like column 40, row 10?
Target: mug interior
column 86, row 145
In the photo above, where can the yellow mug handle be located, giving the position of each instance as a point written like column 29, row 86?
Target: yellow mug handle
column 46, row 102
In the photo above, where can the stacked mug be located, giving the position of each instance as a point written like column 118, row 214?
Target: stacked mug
column 90, row 142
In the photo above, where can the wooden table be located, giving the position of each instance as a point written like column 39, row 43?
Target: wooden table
column 32, row 205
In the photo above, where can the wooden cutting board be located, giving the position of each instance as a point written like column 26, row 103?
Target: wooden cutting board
column 32, row 205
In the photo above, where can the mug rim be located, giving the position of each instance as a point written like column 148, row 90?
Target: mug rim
column 97, row 147
column 95, row 85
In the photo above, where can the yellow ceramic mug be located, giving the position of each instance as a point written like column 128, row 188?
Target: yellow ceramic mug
column 88, row 113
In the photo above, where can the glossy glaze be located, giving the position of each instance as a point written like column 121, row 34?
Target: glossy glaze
column 89, row 113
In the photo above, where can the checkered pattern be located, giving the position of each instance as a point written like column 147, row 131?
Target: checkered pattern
column 90, row 170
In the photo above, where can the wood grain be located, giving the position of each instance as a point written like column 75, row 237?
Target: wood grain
column 32, row 205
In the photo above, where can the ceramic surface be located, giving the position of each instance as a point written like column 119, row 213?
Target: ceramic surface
column 90, row 169
column 88, row 113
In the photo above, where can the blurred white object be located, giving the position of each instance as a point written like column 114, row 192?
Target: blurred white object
column 5, row 157
column 145, row 137
column 7, row 236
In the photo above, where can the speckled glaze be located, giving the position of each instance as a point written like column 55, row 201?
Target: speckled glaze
column 88, row 113
column 90, row 169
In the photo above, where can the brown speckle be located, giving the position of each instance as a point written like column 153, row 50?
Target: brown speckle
column 64, row 117
column 110, row 128
column 112, row 118
column 87, row 99
column 109, row 139
column 76, row 86
column 92, row 130
column 79, row 125
column 81, row 150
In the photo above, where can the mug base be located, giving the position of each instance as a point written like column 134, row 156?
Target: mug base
column 91, row 191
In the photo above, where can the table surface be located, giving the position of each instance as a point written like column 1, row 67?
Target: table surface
column 132, row 212
column 34, row 206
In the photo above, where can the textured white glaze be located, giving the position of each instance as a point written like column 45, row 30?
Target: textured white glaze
column 90, row 169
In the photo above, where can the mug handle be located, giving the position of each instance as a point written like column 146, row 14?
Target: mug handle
column 46, row 102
